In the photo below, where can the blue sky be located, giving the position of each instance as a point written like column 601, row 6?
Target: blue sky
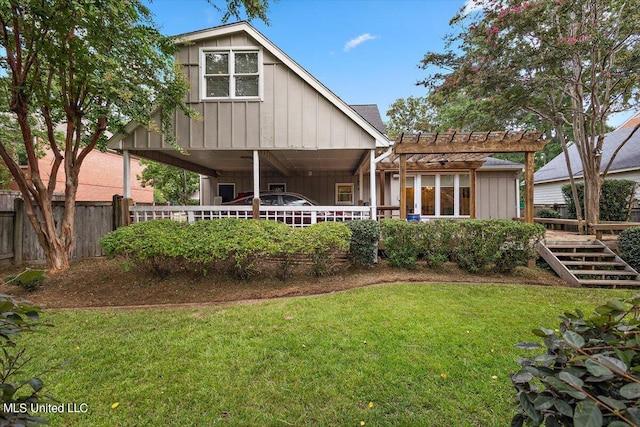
column 365, row 51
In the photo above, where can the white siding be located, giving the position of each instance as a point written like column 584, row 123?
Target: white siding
column 550, row 193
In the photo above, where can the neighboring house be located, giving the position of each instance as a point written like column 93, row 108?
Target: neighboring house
column 550, row 178
column 101, row 176
column 267, row 124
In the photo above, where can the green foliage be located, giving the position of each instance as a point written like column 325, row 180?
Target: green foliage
column 473, row 244
column 154, row 245
column 365, row 235
column 321, row 242
column 547, row 213
column 616, row 197
column 590, row 373
column 16, row 318
column 629, row 246
column 170, row 184
column 401, row 242
column 230, row 245
column 28, row 280
column 410, row 115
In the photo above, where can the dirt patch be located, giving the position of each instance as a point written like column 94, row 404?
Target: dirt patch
column 101, row 282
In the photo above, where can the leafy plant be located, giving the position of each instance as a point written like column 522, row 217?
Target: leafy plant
column 401, row 242
column 17, row 317
column 28, row 280
column 365, row 235
column 321, row 242
column 629, row 246
column 616, row 198
column 547, row 213
column 590, row 374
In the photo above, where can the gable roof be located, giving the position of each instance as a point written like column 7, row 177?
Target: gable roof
column 627, row 159
column 243, row 26
column 371, row 114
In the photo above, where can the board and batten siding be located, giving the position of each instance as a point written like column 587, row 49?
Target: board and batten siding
column 550, row 193
column 496, row 194
column 321, row 186
column 292, row 115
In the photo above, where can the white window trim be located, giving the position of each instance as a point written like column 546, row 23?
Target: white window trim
column 230, row 51
column 353, row 195
column 233, row 184
column 456, row 193
column 277, row 184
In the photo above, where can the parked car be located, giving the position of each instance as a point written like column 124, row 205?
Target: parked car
column 289, row 199
column 273, row 198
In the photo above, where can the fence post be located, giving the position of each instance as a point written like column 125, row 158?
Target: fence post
column 120, row 209
column 18, row 224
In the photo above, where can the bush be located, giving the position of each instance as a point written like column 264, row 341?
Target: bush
column 589, row 373
column 503, row 243
column 156, row 245
column 401, row 242
column 547, row 213
column 629, row 246
column 616, row 196
column 17, row 317
column 365, row 235
column 321, row 242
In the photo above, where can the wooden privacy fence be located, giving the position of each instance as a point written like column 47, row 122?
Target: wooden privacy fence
column 19, row 243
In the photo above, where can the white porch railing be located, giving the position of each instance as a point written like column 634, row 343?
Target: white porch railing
column 296, row 216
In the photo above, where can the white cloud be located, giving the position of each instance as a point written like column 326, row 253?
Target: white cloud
column 474, row 6
column 358, row 41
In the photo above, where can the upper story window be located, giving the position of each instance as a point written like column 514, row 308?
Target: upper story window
column 231, row 73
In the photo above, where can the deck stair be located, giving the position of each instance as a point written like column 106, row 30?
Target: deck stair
column 588, row 263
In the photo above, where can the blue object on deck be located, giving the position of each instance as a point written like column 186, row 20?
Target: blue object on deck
column 413, row 217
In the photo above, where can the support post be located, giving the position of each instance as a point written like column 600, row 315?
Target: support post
column 472, row 194
column 372, row 185
column 18, row 230
column 256, row 185
column 518, row 213
column 403, row 185
column 383, row 184
column 528, row 183
column 126, row 174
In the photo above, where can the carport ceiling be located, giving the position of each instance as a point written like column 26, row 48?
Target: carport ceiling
column 296, row 161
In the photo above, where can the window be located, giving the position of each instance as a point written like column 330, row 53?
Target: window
column 232, row 73
column 344, row 194
column 280, row 186
column 443, row 194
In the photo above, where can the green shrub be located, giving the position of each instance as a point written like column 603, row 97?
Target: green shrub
column 321, row 242
column 616, row 196
column 16, row 318
column 629, row 246
column 589, row 373
column 547, row 213
column 155, row 245
column 435, row 241
column 401, row 242
column 365, row 235
column 29, row 280
column 501, row 243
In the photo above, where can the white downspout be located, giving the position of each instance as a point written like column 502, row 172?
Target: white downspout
column 517, row 197
column 372, row 184
column 126, row 174
column 256, row 175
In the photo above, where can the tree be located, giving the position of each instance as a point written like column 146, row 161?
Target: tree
column 571, row 63
column 170, row 184
column 410, row 115
column 89, row 66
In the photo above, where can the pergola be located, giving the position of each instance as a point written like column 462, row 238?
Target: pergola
column 455, row 149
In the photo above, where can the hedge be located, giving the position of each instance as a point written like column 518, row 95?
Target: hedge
column 232, row 246
column 473, row 244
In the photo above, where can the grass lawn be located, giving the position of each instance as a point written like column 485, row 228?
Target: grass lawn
column 419, row 355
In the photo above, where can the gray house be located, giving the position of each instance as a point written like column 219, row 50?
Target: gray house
column 269, row 124
column 550, row 178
